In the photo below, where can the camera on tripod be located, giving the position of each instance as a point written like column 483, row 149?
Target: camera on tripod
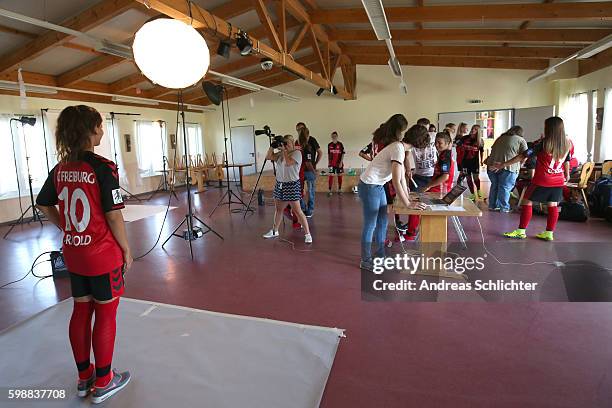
column 276, row 141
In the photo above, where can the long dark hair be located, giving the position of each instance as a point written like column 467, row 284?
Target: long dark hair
column 303, row 135
column 387, row 133
column 75, row 125
column 555, row 142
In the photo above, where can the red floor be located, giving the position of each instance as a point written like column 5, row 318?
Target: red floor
column 396, row 354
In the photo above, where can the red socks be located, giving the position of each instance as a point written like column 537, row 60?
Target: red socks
column 339, row 183
column 104, row 330
column 413, row 224
column 330, row 182
column 79, row 332
column 551, row 220
column 526, row 212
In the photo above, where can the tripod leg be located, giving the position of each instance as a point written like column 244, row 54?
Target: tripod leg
column 218, row 204
column 174, row 232
column 208, row 226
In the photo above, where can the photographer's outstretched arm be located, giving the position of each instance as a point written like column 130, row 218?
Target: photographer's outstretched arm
column 270, row 155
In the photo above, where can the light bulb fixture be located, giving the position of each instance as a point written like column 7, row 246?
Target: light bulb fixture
column 171, row 53
column 224, row 49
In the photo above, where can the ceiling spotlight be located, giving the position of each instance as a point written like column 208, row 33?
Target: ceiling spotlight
column 224, row 49
column 244, row 43
column 175, row 41
column 320, row 91
column 266, row 64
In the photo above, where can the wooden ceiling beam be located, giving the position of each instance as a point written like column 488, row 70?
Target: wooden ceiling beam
column 14, row 31
column 476, row 12
column 299, row 36
column 202, row 19
column 464, row 51
column 128, row 82
column 266, row 22
column 467, row 62
column 90, row 18
column 526, row 24
column 232, row 8
column 295, row 8
column 563, row 36
column 595, row 63
column 281, row 12
column 97, row 65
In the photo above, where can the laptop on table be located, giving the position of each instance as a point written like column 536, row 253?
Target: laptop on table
column 447, row 200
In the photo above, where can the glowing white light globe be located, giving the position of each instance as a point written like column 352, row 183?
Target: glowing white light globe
column 171, row 53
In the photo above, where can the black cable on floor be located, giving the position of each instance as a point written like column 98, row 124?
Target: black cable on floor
column 34, row 265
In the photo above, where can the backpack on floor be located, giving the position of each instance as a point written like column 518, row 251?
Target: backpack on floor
column 573, row 211
column 601, row 197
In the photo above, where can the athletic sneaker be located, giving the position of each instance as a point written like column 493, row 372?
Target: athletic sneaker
column 84, row 386
column 472, row 197
column 271, row 234
column 329, row 194
column 309, row 215
column 119, row 381
column 366, row 265
column 388, row 243
column 401, row 227
column 517, row 233
column 503, row 210
column 308, row 238
column 545, row 235
column 495, row 209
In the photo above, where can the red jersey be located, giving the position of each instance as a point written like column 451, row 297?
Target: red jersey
column 468, row 148
column 573, row 160
column 548, row 172
column 335, row 151
column 85, row 190
column 444, row 165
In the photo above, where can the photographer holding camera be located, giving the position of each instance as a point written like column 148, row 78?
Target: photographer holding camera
column 287, row 189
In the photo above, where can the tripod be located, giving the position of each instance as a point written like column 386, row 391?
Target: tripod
column 229, row 193
column 163, row 182
column 258, row 179
column 36, row 215
column 192, row 233
column 128, row 194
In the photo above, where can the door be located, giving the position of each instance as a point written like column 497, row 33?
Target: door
column 243, row 148
column 532, row 120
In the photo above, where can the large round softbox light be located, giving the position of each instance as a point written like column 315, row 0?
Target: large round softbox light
column 171, row 53
column 214, row 92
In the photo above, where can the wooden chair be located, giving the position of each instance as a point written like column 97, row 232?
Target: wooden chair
column 582, row 184
column 606, row 168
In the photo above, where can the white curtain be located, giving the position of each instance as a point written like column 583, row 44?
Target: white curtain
column 576, row 117
column 149, row 146
column 25, row 145
column 195, row 144
column 606, row 132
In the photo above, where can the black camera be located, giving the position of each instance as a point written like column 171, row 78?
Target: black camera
column 277, row 142
column 265, row 131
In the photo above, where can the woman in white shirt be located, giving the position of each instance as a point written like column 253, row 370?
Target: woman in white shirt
column 287, row 189
column 387, row 165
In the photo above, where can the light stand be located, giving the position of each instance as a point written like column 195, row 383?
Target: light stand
column 163, row 182
column 128, row 194
column 229, row 193
column 192, row 232
column 42, row 118
column 36, row 215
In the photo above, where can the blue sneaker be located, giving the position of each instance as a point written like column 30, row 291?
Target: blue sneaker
column 119, row 381
column 84, row 386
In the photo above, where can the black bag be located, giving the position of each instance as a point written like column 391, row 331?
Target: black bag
column 571, row 211
column 601, row 197
column 608, row 214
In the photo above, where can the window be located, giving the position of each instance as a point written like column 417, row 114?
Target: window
column 606, row 131
column 27, row 151
column 149, row 146
column 194, row 139
column 576, row 117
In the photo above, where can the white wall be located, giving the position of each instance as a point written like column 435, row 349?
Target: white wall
column 9, row 208
column 431, row 90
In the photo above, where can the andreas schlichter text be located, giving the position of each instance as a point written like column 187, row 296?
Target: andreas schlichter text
column 486, row 285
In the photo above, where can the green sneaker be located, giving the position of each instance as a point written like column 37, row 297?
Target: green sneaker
column 517, row 234
column 546, row 236
column 472, row 197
